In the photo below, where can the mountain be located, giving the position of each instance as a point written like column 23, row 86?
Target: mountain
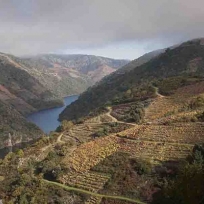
column 31, row 84
column 141, row 60
column 22, row 90
column 20, row 95
column 137, row 84
column 69, row 74
column 140, row 139
column 133, row 64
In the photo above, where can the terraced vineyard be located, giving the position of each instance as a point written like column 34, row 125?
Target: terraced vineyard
column 188, row 133
column 93, row 200
column 155, row 142
column 162, row 139
column 91, row 181
column 185, row 116
column 82, row 133
column 164, row 106
column 86, row 180
column 89, row 154
column 155, row 151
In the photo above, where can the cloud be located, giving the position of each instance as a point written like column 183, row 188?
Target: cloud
column 42, row 26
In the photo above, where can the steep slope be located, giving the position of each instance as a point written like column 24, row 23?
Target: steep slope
column 19, row 85
column 69, row 74
column 108, row 158
column 14, row 128
column 133, row 64
column 141, row 60
column 122, row 163
column 20, row 95
column 185, row 60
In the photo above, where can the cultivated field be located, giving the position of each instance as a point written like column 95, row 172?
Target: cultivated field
column 162, row 137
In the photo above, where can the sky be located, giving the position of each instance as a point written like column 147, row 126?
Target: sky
column 124, row 29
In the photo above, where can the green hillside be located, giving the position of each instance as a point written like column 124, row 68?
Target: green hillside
column 139, row 140
column 20, row 95
column 138, row 84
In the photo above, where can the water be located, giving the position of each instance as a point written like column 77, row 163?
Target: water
column 47, row 120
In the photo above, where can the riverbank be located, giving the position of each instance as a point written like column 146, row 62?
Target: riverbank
column 47, row 120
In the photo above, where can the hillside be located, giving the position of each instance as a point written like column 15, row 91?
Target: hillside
column 65, row 75
column 14, row 128
column 18, row 85
column 138, row 62
column 31, row 84
column 20, row 95
column 109, row 159
column 69, row 74
column 136, row 139
column 186, row 61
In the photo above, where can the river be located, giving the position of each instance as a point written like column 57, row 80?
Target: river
column 47, row 120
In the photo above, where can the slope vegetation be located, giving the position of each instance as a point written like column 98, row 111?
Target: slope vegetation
column 127, row 150
column 70, row 74
column 20, row 95
column 138, row 84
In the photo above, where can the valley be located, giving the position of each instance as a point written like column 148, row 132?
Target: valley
column 83, row 157
column 101, row 102
column 29, row 85
column 47, row 120
column 127, row 144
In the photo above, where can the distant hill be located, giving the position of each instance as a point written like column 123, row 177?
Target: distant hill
column 184, row 60
column 69, row 74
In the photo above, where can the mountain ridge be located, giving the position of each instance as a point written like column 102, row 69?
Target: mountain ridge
column 183, row 60
column 72, row 74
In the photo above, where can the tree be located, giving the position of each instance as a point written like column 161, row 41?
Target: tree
column 65, row 125
column 188, row 186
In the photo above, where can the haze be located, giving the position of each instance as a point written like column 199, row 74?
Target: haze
column 111, row 28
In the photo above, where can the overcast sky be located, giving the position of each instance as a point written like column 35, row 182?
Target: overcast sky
column 112, row 28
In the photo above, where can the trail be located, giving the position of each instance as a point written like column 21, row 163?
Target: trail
column 69, row 188
column 59, row 139
column 157, row 92
column 109, row 114
column 115, row 119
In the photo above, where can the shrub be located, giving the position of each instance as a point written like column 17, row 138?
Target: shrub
column 142, row 166
column 197, row 102
column 65, row 125
column 198, row 154
column 20, row 153
column 187, row 188
column 200, row 117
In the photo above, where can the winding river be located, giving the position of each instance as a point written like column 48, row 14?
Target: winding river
column 47, row 120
